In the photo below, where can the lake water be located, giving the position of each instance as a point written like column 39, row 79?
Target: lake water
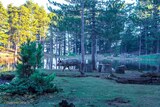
column 141, row 65
column 50, row 63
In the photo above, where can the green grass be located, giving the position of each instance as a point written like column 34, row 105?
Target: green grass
column 96, row 91
column 92, row 92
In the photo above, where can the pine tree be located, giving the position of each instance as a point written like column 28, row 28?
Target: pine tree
column 30, row 58
column 43, row 23
column 14, row 27
column 39, row 19
column 3, row 26
column 26, row 22
column 28, row 78
column 71, row 20
column 33, row 9
column 25, row 25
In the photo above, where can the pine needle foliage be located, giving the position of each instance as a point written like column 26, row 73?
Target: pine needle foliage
column 28, row 78
column 30, row 58
column 37, row 83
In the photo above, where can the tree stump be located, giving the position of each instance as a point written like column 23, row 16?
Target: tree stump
column 100, row 68
column 121, row 69
column 107, row 68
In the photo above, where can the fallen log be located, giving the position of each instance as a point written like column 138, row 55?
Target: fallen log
column 135, row 80
column 151, row 74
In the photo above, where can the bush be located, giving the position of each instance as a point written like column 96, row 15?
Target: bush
column 36, row 83
column 28, row 78
column 30, row 59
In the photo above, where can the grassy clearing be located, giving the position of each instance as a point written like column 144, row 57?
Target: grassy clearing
column 95, row 91
column 90, row 92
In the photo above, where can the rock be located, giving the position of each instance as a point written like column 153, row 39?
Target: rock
column 121, row 69
column 118, row 101
column 64, row 103
column 71, row 105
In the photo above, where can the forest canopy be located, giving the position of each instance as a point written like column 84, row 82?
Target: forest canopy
column 110, row 26
column 28, row 21
column 115, row 26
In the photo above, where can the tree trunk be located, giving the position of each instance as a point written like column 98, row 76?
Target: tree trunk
column 140, row 43
column 68, row 43
column 16, row 50
column 82, row 37
column 64, row 43
column 59, row 49
column 76, row 44
column 51, row 50
column 146, row 46
column 56, row 52
column 157, row 45
column 155, row 22
column 51, row 45
column 93, row 38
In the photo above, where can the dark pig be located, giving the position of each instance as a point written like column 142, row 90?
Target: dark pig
column 69, row 62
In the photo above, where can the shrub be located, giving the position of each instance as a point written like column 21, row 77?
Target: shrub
column 36, row 83
column 30, row 59
column 28, row 78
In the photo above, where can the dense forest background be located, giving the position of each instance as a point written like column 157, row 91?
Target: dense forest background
column 104, row 27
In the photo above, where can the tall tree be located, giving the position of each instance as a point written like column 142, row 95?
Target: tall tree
column 69, row 14
column 43, row 23
column 26, row 22
column 3, row 26
column 25, row 25
column 14, row 27
column 82, row 37
column 93, row 33
column 156, row 22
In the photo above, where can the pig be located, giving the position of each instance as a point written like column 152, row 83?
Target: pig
column 69, row 62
